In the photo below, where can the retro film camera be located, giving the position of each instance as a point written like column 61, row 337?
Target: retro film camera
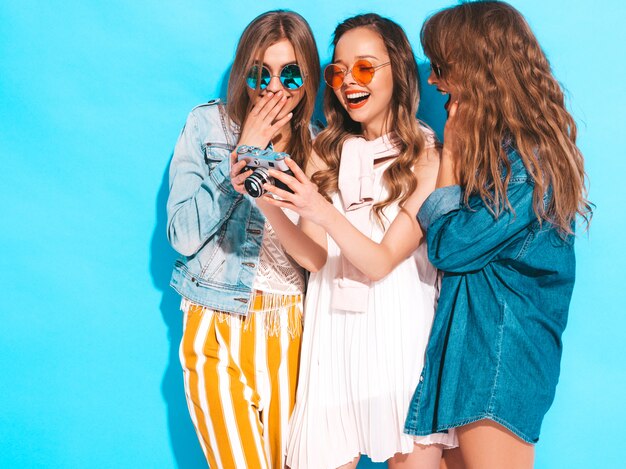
column 261, row 161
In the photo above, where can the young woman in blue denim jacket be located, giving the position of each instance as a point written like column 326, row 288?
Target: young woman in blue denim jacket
column 242, row 295
column 500, row 226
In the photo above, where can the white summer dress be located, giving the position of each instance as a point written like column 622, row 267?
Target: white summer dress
column 358, row 370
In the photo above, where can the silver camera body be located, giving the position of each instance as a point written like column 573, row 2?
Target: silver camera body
column 260, row 162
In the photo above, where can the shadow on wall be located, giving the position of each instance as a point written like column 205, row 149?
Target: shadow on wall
column 318, row 113
column 183, row 440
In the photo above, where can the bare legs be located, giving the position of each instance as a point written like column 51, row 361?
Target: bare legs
column 488, row 445
column 452, row 459
column 482, row 445
column 352, row 464
column 422, row 457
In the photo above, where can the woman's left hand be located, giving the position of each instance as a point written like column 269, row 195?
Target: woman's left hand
column 305, row 199
column 451, row 128
column 449, row 164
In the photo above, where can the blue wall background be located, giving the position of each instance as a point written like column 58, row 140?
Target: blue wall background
column 92, row 98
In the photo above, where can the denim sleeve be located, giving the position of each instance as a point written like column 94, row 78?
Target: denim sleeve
column 200, row 200
column 466, row 238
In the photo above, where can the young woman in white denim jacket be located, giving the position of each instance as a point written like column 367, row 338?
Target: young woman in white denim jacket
column 241, row 293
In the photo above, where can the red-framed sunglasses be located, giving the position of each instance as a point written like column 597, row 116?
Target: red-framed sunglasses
column 362, row 71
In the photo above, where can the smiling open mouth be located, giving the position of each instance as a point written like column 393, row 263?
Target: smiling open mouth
column 356, row 100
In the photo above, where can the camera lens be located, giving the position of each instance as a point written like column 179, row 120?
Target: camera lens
column 254, row 182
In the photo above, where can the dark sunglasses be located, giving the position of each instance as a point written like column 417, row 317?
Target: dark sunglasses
column 436, row 69
column 362, row 71
column 290, row 77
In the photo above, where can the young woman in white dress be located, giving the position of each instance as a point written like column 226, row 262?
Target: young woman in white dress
column 371, row 296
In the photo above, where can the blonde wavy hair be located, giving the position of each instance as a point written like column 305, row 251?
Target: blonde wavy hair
column 507, row 92
column 399, row 177
column 264, row 31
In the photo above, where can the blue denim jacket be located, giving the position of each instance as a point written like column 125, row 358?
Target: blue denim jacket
column 217, row 230
column 495, row 346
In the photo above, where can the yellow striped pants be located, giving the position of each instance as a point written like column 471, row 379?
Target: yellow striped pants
column 240, row 377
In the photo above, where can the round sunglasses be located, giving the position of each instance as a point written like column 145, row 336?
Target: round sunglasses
column 362, row 71
column 290, row 77
column 436, row 70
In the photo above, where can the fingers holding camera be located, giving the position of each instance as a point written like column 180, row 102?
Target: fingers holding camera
column 284, row 197
column 305, row 199
column 237, row 177
column 314, row 208
column 288, row 179
column 297, row 171
column 238, row 181
column 298, row 182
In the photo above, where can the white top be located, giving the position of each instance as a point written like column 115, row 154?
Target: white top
column 359, row 370
column 278, row 273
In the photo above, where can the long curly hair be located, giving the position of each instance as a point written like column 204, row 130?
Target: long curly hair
column 264, row 31
column 399, row 177
column 507, row 92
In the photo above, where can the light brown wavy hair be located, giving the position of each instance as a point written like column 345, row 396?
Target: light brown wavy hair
column 399, row 177
column 507, row 92
column 264, row 31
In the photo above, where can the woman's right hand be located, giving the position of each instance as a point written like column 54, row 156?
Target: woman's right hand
column 257, row 131
column 304, row 199
column 260, row 125
column 236, row 176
